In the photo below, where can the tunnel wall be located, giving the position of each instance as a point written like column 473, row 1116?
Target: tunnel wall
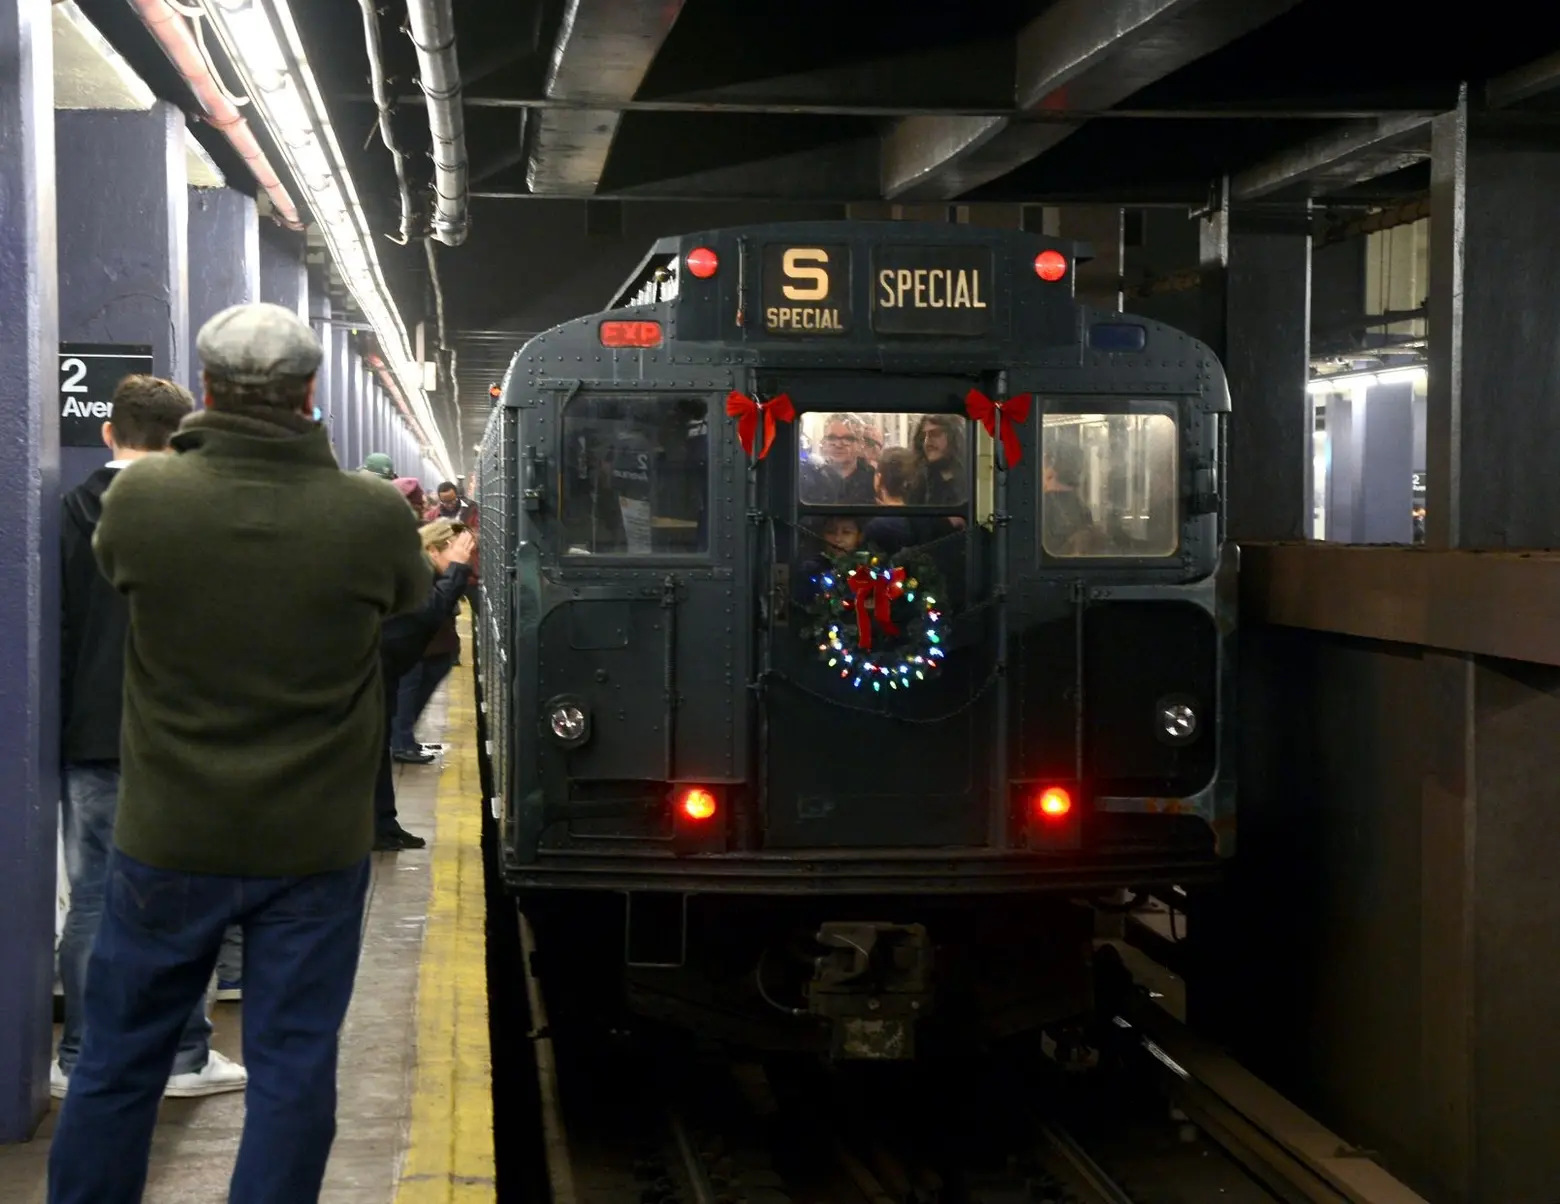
column 1389, row 951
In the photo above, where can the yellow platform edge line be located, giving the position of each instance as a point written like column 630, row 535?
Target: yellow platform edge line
column 449, row 1152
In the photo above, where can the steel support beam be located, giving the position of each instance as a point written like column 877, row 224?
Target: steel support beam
column 1493, row 430
column 1331, row 162
column 225, row 270
column 1524, row 83
column 601, row 56
column 30, row 542
column 1078, row 53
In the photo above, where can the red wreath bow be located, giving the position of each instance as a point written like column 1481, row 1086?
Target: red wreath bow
column 1001, row 416
column 875, row 592
column 746, row 411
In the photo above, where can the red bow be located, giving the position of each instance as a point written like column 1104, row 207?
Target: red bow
column 1003, row 416
column 746, row 410
column 875, row 591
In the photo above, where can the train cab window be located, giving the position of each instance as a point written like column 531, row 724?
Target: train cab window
column 842, row 453
column 1109, row 485
column 635, row 476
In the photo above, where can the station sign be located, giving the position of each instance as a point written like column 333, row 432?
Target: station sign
column 89, row 374
column 933, row 290
column 806, row 289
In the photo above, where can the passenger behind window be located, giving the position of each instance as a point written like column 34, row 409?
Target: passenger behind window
column 897, row 481
column 1066, row 524
column 939, row 445
column 834, row 535
column 845, row 476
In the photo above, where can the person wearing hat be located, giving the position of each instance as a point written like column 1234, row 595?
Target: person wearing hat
column 404, row 653
column 377, row 464
column 253, row 723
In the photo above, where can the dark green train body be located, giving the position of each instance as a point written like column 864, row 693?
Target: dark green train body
column 700, row 719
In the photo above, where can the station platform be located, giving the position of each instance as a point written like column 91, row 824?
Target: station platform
column 414, row 1113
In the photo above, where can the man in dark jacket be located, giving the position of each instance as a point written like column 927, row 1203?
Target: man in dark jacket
column 249, row 749
column 95, row 623
column 403, row 652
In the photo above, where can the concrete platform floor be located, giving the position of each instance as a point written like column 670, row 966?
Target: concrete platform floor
column 414, row 1117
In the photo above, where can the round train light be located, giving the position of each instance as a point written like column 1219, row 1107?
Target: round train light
column 1053, row 803
column 697, row 803
column 702, row 262
column 495, row 391
column 567, row 722
column 1178, row 721
column 1050, row 266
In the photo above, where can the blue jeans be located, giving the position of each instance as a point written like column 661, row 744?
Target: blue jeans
column 412, row 696
column 91, row 800
column 155, row 953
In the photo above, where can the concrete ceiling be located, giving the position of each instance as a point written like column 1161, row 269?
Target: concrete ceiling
column 90, row 74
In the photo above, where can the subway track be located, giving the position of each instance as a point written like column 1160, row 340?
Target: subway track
column 643, row 1115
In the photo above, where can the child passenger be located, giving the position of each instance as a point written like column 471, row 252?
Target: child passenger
column 839, row 535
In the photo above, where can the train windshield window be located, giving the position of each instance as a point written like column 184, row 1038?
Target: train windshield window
column 635, row 476
column 884, row 460
column 1110, row 485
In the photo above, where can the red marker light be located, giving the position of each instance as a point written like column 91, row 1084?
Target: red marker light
column 1054, row 803
column 1050, row 266
column 630, row 334
column 702, row 262
column 494, row 391
column 697, row 803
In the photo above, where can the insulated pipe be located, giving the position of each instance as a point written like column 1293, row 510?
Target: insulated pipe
column 178, row 43
column 432, row 25
column 376, row 72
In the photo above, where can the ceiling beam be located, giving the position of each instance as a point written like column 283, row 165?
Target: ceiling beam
column 1338, row 160
column 1077, row 54
column 1524, row 83
column 602, row 53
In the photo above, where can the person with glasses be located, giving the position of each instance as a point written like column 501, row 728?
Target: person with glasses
column 845, row 478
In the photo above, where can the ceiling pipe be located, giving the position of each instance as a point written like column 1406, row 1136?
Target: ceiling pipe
column 432, row 26
column 376, row 70
column 178, row 43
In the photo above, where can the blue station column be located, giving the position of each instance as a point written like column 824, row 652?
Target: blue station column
column 284, row 280
column 320, row 320
column 340, row 391
column 30, row 607
column 225, row 270
column 123, row 254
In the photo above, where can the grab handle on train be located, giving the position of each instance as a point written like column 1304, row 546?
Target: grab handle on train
column 535, row 464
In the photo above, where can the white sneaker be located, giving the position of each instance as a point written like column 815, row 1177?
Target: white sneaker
column 218, row 1075
column 58, row 1082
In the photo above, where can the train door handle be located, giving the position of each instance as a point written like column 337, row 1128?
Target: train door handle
column 535, row 464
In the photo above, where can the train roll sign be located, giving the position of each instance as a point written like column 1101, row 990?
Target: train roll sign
column 89, row 374
column 933, row 290
column 806, row 289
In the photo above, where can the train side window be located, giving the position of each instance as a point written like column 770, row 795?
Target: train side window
column 841, row 453
column 1109, row 486
column 635, row 476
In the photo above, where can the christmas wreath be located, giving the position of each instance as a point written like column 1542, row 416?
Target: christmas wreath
column 877, row 619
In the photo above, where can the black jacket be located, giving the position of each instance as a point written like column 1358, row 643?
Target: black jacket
column 95, row 621
column 404, row 638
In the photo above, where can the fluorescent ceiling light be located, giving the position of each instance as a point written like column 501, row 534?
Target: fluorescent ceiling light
column 262, row 42
column 1346, row 382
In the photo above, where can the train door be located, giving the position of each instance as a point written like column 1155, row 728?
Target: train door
column 859, row 753
column 638, row 619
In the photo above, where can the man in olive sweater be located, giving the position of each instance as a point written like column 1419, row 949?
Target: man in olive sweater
column 258, row 575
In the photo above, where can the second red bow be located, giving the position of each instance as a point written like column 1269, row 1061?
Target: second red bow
column 875, row 591
column 746, row 410
column 1001, row 420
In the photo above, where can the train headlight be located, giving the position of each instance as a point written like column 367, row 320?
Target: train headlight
column 568, row 721
column 1177, row 720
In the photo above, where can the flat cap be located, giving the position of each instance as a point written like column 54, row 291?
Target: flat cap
column 255, row 344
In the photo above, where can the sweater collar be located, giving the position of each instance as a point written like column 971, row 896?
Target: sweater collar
column 233, row 436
